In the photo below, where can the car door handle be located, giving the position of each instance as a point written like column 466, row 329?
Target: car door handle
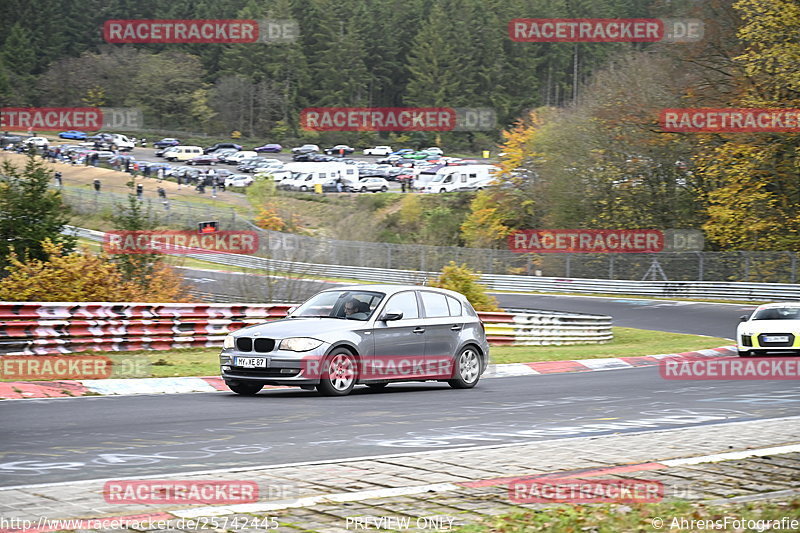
column 455, row 327
column 419, row 330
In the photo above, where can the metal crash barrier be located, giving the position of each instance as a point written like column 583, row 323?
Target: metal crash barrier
column 40, row 328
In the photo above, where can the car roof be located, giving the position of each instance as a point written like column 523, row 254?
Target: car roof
column 777, row 305
column 391, row 289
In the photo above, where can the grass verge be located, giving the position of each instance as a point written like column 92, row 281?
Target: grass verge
column 627, row 342
column 665, row 516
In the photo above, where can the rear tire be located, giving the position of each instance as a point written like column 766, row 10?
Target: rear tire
column 244, row 388
column 467, row 369
column 338, row 373
column 384, row 188
column 363, row 189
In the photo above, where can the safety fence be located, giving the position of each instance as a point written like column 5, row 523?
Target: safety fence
column 41, row 328
column 742, row 291
column 733, row 266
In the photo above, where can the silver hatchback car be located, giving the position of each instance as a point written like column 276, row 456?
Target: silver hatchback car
column 362, row 334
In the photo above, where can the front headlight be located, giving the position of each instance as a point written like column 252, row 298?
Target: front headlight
column 228, row 342
column 299, row 344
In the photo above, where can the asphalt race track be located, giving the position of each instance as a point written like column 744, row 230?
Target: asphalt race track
column 111, row 437
column 70, row 439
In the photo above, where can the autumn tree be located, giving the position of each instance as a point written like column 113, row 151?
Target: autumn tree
column 755, row 205
column 80, row 276
column 461, row 279
column 30, row 212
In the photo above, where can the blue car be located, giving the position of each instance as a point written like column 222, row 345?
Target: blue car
column 73, row 134
column 403, row 152
column 166, row 142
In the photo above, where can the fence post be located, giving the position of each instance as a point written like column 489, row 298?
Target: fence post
column 611, row 258
column 568, row 266
column 700, row 266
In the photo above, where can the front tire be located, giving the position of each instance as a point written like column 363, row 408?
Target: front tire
column 467, row 369
column 338, row 374
column 244, row 388
column 363, row 189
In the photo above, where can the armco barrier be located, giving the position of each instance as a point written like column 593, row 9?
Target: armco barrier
column 751, row 292
column 39, row 328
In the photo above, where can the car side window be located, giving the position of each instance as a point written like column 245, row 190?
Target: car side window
column 435, row 304
column 405, row 302
column 454, row 305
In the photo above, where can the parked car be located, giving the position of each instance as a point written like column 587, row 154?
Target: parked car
column 224, row 154
column 270, row 148
column 372, row 184
column 306, row 148
column 238, row 180
column 239, row 157
column 332, row 186
column 7, row 139
column 771, row 328
column 38, row 142
column 205, row 159
column 183, row 153
column 339, row 149
column 165, row 142
column 435, row 150
column 220, row 146
column 164, row 151
column 369, row 335
column 73, row 134
column 378, row 150
column 403, row 152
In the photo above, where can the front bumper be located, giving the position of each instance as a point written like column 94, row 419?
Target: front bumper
column 284, row 367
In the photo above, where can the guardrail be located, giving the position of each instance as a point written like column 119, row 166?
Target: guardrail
column 40, row 328
column 752, row 292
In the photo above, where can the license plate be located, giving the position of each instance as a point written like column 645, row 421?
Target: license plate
column 251, row 362
column 776, row 338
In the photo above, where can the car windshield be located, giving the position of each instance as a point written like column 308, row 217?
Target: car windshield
column 350, row 305
column 778, row 313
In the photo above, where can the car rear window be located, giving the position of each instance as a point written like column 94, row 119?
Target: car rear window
column 435, row 304
column 454, row 305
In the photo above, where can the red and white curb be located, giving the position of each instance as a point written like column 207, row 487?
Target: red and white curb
column 122, row 387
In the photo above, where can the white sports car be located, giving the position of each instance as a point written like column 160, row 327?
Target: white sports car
column 771, row 328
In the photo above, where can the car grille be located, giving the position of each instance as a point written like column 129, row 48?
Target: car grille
column 247, row 344
column 788, row 344
column 264, row 372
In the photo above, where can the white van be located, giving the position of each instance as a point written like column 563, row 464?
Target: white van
column 238, row 157
column 121, row 142
column 461, row 178
column 319, row 173
column 183, row 153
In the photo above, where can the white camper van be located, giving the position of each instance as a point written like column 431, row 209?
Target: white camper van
column 461, row 178
column 310, row 174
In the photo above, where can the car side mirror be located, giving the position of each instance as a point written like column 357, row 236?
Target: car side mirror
column 391, row 314
column 744, row 318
